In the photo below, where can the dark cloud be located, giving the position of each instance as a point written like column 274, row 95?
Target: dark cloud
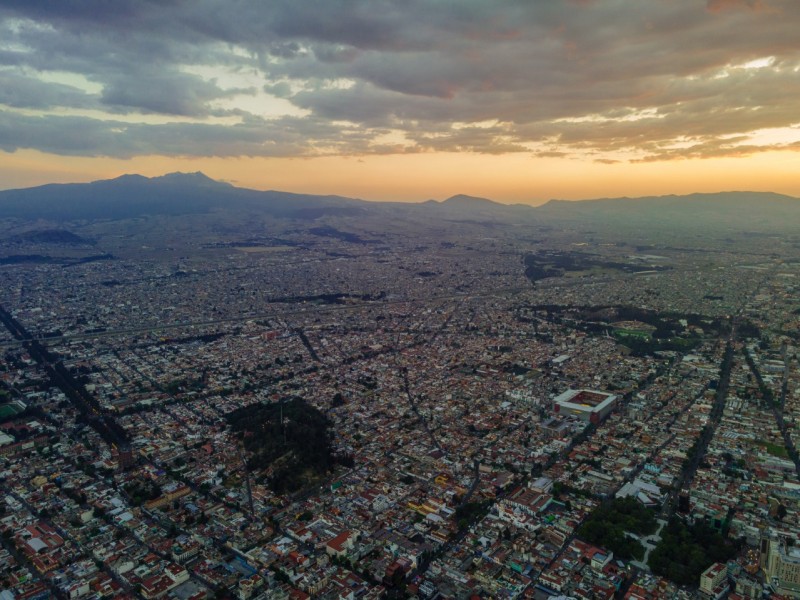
column 658, row 79
column 84, row 136
column 20, row 91
column 169, row 93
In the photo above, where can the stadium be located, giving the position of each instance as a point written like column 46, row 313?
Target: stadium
column 588, row 405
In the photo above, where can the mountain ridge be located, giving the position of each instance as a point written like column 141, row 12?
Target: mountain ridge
column 471, row 201
column 698, row 195
column 133, row 195
column 198, row 177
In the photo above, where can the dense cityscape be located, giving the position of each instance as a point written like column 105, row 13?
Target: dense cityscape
column 453, row 410
column 390, row 299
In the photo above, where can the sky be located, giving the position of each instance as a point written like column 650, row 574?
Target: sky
column 518, row 101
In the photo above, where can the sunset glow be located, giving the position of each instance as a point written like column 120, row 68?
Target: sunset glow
column 569, row 99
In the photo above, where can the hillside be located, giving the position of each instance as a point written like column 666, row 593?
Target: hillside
column 131, row 196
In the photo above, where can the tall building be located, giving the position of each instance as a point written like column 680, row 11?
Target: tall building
column 123, row 455
column 714, row 581
column 780, row 563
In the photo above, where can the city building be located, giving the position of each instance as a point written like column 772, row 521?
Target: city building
column 588, row 405
column 781, row 564
column 714, row 581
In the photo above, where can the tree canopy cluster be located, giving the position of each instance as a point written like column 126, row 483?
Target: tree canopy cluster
column 294, row 452
column 646, row 346
column 684, row 551
column 608, row 525
column 141, row 491
column 470, row 512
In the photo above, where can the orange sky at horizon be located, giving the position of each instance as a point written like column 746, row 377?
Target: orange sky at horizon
column 387, row 101
column 508, row 178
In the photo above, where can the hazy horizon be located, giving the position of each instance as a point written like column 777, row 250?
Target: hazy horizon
column 534, row 203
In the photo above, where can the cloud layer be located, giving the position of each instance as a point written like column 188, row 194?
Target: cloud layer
column 611, row 80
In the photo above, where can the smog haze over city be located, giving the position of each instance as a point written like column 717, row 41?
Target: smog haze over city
column 382, row 299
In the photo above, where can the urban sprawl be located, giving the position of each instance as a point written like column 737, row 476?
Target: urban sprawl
column 429, row 418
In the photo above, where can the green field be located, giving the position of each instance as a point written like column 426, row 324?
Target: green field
column 773, row 449
column 632, row 333
column 8, row 410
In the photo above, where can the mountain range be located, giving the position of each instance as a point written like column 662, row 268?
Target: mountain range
column 131, row 196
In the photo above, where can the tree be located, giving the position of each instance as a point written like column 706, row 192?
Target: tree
column 294, row 432
column 685, row 552
column 610, row 523
column 781, row 513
